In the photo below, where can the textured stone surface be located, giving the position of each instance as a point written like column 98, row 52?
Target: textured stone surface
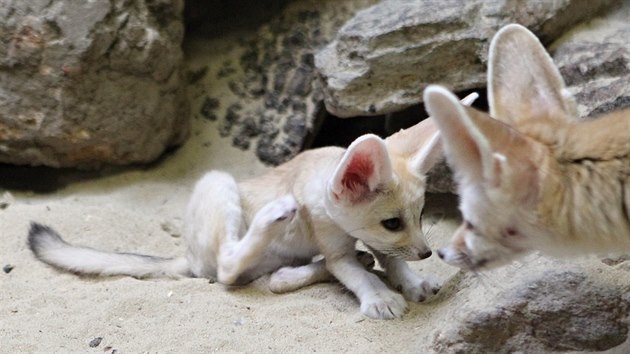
column 274, row 96
column 382, row 58
column 561, row 311
column 594, row 60
column 90, row 83
column 440, row 179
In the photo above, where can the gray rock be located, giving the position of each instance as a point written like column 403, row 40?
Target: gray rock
column 95, row 342
column 594, row 60
column 90, row 83
column 274, row 96
column 382, row 58
column 561, row 311
column 440, row 179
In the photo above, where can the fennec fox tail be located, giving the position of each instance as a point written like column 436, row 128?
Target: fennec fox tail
column 49, row 247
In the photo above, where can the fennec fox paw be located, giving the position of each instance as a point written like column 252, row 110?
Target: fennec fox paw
column 384, row 305
column 419, row 289
column 277, row 211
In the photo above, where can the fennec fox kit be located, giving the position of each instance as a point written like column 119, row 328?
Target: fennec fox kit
column 320, row 202
column 536, row 178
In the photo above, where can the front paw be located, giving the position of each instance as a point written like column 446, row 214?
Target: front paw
column 384, row 305
column 419, row 289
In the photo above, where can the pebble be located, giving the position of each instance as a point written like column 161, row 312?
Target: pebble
column 5, row 200
column 8, row 268
column 170, row 229
column 95, row 342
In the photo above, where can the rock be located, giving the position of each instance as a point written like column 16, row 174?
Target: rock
column 594, row 60
column 171, row 229
column 90, row 83
column 95, row 342
column 274, row 97
column 8, row 268
column 384, row 57
column 561, row 311
column 6, row 199
column 440, row 179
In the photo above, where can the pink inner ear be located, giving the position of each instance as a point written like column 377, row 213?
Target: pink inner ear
column 358, row 172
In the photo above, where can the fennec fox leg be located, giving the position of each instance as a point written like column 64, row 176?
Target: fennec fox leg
column 377, row 300
column 213, row 215
column 271, row 221
column 289, row 278
column 413, row 286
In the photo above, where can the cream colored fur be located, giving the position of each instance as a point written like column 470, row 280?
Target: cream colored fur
column 537, row 177
column 319, row 203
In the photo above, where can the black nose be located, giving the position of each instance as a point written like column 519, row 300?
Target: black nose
column 440, row 254
column 424, row 255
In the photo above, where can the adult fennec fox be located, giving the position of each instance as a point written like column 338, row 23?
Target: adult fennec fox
column 532, row 176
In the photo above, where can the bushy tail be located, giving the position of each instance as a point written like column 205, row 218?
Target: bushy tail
column 51, row 249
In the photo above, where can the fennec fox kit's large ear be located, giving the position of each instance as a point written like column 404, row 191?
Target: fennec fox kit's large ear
column 523, row 82
column 364, row 167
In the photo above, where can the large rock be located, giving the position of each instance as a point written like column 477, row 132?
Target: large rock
column 594, row 60
column 560, row 311
column 382, row 58
column 86, row 83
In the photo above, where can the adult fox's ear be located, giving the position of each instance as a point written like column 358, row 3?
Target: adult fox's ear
column 523, row 82
column 364, row 168
column 421, row 144
column 467, row 147
column 483, row 150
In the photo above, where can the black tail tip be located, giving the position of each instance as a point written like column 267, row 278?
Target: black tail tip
column 37, row 228
column 35, row 234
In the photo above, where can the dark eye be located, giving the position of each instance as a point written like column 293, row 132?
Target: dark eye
column 510, row 232
column 468, row 225
column 393, row 224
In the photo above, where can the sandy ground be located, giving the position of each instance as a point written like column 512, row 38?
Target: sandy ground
column 141, row 210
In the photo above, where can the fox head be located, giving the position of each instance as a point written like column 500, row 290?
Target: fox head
column 499, row 169
column 377, row 190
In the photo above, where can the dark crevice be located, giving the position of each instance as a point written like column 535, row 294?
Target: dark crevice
column 213, row 18
column 336, row 131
